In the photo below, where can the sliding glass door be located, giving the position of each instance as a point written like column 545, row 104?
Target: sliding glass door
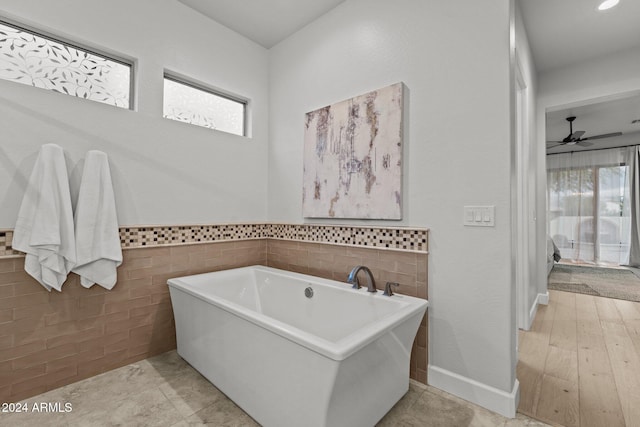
column 589, row 213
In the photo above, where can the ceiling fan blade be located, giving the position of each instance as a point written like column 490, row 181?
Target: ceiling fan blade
column 554, row 144
column 576, row 135
column 584, row 143
column 604, row 135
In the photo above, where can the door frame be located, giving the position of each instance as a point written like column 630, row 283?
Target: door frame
column 522, row 229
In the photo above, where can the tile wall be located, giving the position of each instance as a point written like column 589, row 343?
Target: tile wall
column 52, row 339
column 48, row 340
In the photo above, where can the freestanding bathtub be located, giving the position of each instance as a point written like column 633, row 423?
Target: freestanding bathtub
column 293, row 356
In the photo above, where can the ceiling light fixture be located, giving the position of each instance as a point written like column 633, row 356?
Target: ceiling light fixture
column 608, row 4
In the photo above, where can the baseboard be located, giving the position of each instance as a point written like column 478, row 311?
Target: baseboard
column 543, row 298
column 540, row 299
column 504, row 403
column 532, row 314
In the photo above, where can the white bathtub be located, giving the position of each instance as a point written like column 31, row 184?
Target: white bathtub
column 339, row 358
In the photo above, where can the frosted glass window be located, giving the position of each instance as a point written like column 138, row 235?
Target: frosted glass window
column 186, row 103
column 35, row 60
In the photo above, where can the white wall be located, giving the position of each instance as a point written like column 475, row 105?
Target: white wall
column 454, row 58
column 534, row 158
column 590, row 80
column 164, row 172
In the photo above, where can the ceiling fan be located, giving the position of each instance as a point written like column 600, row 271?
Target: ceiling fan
column 575, row 138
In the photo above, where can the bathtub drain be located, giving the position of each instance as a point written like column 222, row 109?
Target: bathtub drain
column 308, row 292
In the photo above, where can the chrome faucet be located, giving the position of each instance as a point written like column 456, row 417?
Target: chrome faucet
column 353, row 278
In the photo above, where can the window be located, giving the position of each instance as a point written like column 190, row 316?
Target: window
column 191, row 104
column 36, row 60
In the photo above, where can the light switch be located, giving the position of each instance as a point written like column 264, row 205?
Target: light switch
column 468, row 215
column 479, row 216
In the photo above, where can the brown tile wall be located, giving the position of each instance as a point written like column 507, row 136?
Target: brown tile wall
column 48, row 340
column 335, row 262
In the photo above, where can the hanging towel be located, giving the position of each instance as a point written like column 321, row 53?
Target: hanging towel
column 97, row 236
column 44, row 230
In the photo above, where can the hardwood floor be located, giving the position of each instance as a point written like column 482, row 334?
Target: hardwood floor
column 579, row 365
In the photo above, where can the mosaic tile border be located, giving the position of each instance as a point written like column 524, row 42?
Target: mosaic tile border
column 138, row 237
column 6, row 236
column 391, row 238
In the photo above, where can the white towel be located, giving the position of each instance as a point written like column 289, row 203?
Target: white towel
column 97, row 236
column 44, row 230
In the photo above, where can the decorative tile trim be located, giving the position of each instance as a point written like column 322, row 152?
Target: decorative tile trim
column 391, row 238
column 6, row 236
column 138, row 237
column 394, row 238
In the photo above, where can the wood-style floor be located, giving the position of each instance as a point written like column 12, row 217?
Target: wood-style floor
column 580, row 363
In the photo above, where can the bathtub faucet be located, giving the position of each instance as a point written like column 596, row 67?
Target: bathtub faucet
column 353, row 278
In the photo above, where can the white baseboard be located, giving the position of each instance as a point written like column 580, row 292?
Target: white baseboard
column 543, row 298
column 532, row 314
column 504, row 403
column 540, row 299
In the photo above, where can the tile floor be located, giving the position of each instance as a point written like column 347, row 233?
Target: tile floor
column 166, row 391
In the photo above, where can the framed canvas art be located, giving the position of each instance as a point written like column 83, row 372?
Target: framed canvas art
column 353, row 157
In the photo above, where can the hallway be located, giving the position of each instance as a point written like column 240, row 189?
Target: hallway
column 579, row 365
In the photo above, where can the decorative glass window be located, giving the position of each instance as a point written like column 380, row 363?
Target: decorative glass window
column 36, row 60
column 188, row 103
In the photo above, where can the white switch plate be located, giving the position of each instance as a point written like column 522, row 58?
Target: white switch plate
column 480, row 216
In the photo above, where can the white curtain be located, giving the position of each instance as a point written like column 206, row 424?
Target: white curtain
column 589, row 204
column 634, row 168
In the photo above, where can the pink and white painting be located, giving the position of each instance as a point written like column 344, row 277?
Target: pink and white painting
column 353, row 157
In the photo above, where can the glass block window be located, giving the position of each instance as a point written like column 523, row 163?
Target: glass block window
column 36, row 60
column 191, row 104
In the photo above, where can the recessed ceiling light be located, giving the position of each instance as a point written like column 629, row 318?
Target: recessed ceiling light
column 608, row 4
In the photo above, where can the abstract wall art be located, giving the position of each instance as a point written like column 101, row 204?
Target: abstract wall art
column 353, row 157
